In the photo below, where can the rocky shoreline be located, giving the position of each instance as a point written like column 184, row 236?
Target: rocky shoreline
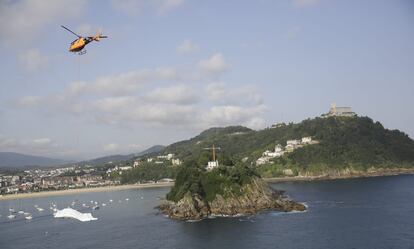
column 343, row 174
column 255, row 197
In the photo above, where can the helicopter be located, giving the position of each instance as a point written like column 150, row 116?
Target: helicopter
column 78, row 44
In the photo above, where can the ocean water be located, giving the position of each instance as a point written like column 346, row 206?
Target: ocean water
column 358, row 213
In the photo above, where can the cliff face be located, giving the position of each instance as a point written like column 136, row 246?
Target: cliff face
column 253, row 198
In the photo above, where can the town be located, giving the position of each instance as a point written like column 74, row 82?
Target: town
column 76, row 176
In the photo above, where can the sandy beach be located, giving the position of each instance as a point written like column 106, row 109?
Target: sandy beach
column 84, row 190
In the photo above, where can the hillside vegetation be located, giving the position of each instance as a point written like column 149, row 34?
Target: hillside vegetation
column 207, row 184
column 344, row 142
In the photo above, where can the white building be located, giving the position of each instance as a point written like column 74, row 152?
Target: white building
column 176, row 162
column 212, row 164
column 306, row 140
column 167, row 157
column 125, row 168
column 293, row 142
column 262, row 160
column 136, row 163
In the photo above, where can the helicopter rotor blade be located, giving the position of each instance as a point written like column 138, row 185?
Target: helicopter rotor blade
column 71, row 31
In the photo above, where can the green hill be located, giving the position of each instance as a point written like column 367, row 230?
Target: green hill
column 344, row 142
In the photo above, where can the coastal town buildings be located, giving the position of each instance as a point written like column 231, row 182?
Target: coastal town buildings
column 279, row 151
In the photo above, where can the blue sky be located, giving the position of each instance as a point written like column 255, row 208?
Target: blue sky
column 172, row 68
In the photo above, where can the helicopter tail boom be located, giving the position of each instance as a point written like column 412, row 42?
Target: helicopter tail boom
column 98, row 36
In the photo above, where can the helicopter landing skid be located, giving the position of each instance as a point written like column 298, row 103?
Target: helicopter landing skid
column 82, row 52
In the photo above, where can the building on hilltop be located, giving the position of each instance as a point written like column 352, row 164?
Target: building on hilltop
column 336, row 111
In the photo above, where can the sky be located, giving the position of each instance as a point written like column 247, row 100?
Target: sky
column 172, row 68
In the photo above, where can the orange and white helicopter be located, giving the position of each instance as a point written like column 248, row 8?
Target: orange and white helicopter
column 78, row 44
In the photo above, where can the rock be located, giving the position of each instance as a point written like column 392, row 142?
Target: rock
column 254, row 197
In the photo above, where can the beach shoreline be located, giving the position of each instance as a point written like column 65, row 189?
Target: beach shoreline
column 379, row 173
column 83, row 190
column 387, row 172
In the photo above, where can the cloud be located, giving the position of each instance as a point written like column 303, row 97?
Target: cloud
column 155, row 97
column 42, row 141
column 187, row 47
column 135, row 7
column 111, row 147
column 179, row 94
column 305, row 3
column 218, row 92
column 215, row 65
column 33, row 60
column 21, row 21
column 234, row 115
column 37, row 146
column 123, row 83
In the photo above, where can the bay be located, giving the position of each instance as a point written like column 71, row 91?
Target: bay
column 355, row 213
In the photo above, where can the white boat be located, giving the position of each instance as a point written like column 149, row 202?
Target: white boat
column 40, row 209
column 21, row 212
column 111, row 200
column 12, row 210
column 11, row 216
column 127, row 199
column 74, row 214
column 27, row 214
column 28, row 217
column 103, row 204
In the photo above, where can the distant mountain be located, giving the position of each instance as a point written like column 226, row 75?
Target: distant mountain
column 120, row 158
column 17, row 160
column 151, row 150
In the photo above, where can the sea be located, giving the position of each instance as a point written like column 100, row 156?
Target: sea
column 354, row 213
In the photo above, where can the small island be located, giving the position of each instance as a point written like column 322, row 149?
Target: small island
column 225, row 191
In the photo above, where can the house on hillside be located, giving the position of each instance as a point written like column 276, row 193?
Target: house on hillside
column 212, row 164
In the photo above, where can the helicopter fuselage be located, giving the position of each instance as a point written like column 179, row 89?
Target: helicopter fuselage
column 78, row 44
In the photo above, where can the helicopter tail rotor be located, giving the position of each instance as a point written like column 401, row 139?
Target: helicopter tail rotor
column 99, row 36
